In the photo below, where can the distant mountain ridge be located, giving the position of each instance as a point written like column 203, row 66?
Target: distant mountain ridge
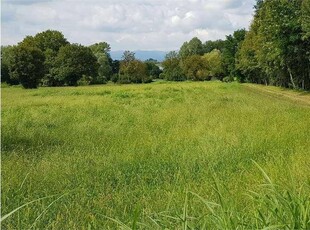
column 141, row 54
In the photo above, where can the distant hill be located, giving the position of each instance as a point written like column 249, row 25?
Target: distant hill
column 140, row 54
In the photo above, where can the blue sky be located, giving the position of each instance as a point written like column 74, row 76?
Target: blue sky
column 126, row 24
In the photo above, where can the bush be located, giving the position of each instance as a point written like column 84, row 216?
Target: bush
column 99, row 80
column 228, row 79
column 85, row 80
column 114, row 78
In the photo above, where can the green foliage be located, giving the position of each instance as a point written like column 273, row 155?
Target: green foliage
column 74, row 61
column 214, row 64
column 275, row 50
column 194, row 68
column 128, row 56
column 101, row 47
column 115, row 66
column 193, row 47
column 172, row 69
column 101, row 51
column 50, row 40
column 27, row 65
column 133, row 71
column 6, row 61
column 85, row 80
column 229, row 52
column 212, row 45
column 305, row 18
column 228, row 79
column 219, row 59
column 247, row 60
column 153, row 69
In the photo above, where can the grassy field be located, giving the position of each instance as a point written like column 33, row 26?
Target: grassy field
column 162, row 155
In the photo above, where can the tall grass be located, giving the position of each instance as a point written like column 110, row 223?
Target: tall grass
column 169, row 155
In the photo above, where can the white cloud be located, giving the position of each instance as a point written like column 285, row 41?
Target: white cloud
column 125, row 24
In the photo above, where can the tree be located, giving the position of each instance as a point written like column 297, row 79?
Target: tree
column 214, row 64
column 246, row 58
column 172, row 69
column 306, row 18
column 101, row 47
column 276, row 49
column 282, row 55
column 211, row 45
column 258, row 5
column 104, row 70
column 194, row 68
column 115, row 66
column 152, row 69
column 27, row 65
column 193, row 47
column 231, row 46
column 74, row 61
column 49, row 42
column 6, row 60
column 133, row 71
column 101, row 51
column 128, row 56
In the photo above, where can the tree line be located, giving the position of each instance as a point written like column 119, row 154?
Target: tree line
column 275, row 51
column 48, row 59
column 199, row 61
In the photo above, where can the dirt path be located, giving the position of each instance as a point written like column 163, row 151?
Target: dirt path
column 300, row 97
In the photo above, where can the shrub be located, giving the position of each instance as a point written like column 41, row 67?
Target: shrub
column 85, row 80
column 228, row 79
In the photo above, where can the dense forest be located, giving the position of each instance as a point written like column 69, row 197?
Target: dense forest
column 274, row 51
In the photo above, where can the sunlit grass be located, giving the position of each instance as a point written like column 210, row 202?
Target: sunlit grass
column 153, row 156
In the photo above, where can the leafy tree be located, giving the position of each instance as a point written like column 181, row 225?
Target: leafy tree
column 115, row 66
column 152, row 60
column 152, row 69
column 101, row 51
column 105, row 69
column 128, row 56
column 74, row 61
column 258, row 5
column 282, row 55
column 306, row 18
column 49, row 42
column 101, row 47
column 211, row 45
column 193, row 47
column 172, row 69
column 134, row 71
column 246, row 59
column 6, row 60
column 27, row 65
column 194, row 68
column 276, row 49
column 214, row 64
column 231, row 46
column 184, row 52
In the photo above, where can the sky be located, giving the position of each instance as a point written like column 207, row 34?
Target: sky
column 126, row 24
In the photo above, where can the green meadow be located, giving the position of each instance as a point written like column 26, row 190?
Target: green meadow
column 190, row 155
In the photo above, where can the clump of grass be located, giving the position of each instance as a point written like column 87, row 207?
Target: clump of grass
column 274, row 207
